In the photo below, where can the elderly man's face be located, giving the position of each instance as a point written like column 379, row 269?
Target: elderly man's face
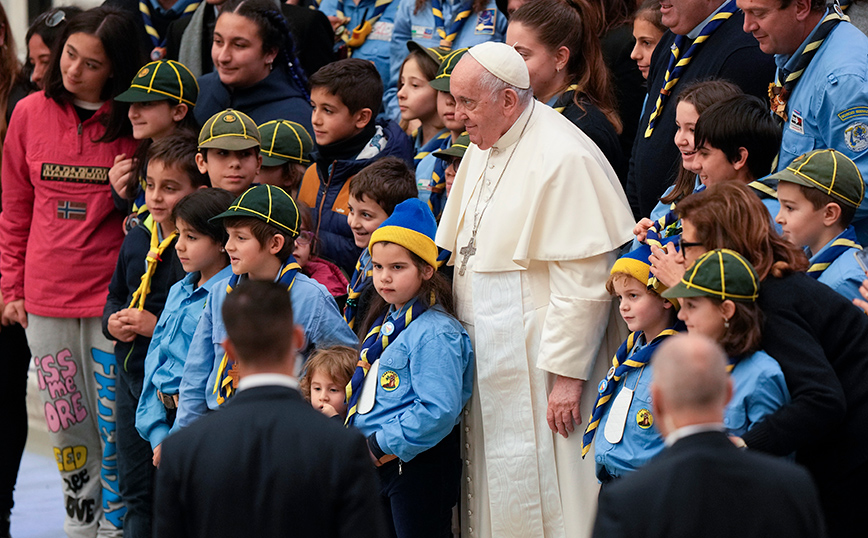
column 480, row 111
column 682, row 16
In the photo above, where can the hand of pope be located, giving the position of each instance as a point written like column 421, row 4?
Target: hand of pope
column 563, row 409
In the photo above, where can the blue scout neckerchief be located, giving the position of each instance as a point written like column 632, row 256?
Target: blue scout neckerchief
column 845, row 241
column 622, row 364
column 678, row 63
column 153, row 257
column 378, row 338
column 184, row 7
column 360, row 280
column 446, row 39
column 434, row 144
column 224, row 386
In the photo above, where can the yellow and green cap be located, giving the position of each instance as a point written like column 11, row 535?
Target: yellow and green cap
column 284, row 141
column 269, row 204
column 441, row 79
column 162, row 80
column 457, row 148
column 827, row 170
column 229, row 129
column 720, row 273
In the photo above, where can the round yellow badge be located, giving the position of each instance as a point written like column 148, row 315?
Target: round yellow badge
column 389, row 381
column 144, row 72
column 644, row 419
column 228, row 118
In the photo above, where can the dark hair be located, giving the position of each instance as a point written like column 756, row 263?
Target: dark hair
column 742, row 121
column 179, row 150
column 558, row 23
column 819, row 199
column 355, row 82
column 258, row 320
column 437, row 288
column 197, row 208
column 263, row 232
column 306, row 223
column 701, row 94
column 338, row 362
column 743, row 335
column 274, row 32
column 816, row 5
column 649, row 10
column 113, row 28
column 730, row 215
column 610, row 13
column 387, row 181
column 49, row 36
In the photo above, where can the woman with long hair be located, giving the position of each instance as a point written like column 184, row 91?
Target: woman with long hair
column 61, row 235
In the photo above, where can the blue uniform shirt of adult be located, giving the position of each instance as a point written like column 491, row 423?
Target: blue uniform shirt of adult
column 276, row 97
column 313, row 308
column 759, row 389
column 829, row 105
column 489, row 24
column 167, row 353
column 844, row 275
column 432, row 360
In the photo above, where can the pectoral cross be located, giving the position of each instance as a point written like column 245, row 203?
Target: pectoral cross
column 467, row 252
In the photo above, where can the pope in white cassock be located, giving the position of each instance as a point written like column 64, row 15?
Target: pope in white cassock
column 534, row 220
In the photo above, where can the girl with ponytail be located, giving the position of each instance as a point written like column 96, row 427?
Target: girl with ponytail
column 255, row 67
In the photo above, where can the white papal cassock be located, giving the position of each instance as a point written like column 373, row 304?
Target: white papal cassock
column 533, row 299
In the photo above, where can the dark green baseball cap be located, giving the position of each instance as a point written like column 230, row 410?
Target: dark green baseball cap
column 229, row 129
column 828, row 170
column 162, row 80
column 438, row 54
column 269, row 204
column 284, row 141
column 457, row 148
column 720, row 273
column 441, row 80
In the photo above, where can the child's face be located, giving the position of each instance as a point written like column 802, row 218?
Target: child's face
column 446, row 110
column 396, row 277
column 647, row 36
column 801, row 223
column 542, row 63
column 450, row 172
column 197, row 251
column 332, row 121
column 686, row 117
column 365, row 216
column 324, row 390
column 713, row 166
column 232, row 170
column 153, row 119
column 246, row 253
column 164, row 187
column 416, row 99
column 84, row 67
column 702, row 316
column 640, row 309
column 303, row 244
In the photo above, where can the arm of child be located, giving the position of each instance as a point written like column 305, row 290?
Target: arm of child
column 769, row 395
column 120, row 176
column 316, row 311
column 118, row 292
column 197, row 368
column 137, row 321
column 151, row 421
column 641, row 229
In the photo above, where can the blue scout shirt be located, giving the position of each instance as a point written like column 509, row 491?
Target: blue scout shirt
column 829, row 105
column 759, row 389
column 425, row 165
column 486, row 25
column 313, row 307
column 844, row 275
column 164, row 362
column 426, row 377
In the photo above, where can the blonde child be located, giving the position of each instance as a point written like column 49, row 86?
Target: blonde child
column 415, row 374
column 327, row 373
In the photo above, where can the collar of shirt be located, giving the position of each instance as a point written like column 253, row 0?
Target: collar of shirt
column 693, row 34
column 788, row 61
column 510, row 137
column 177, row 8
column 267, row 380
column 395, row 314
column 692, row 429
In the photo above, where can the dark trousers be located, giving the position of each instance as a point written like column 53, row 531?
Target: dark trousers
column 15, row 358
column 135, row 458
column 418, row 495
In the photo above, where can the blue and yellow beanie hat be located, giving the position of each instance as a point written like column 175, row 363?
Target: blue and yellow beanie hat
column 635, row 263
column 411, row 225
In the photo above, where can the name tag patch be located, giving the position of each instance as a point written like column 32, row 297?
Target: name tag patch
column 421, row 32
column 68, row 210
column 856, row 137
column 797, row 123
column 382, row 31
column 75, row 174
column 485, row 22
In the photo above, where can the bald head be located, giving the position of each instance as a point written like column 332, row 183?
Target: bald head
column 691, row 384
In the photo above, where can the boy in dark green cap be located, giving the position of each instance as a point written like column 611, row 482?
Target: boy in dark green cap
column 229, row 151
column 450, row 159
column 262, row 225
column 285, row 152
column 819, row 193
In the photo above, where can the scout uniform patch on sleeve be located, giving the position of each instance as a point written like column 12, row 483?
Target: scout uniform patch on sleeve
column 856, row 137
column 485, row 22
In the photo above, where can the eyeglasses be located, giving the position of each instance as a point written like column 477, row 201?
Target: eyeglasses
column 50, row 18
column 682, row 244
column 304, row 238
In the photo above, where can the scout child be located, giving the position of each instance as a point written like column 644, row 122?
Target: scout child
column 285, row 152
column 325, row 379
column 229, row 151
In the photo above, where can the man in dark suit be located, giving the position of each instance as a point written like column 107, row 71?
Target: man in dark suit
column 702, row 485
column 267, row 463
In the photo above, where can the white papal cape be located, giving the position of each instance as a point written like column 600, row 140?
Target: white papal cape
column 534, row 301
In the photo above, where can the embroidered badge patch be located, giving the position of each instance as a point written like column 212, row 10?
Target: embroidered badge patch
column 228, row 118
column 389, row 381
column 797, row 124
column 382, row 31
column 421, row 32
column 644, row 419
column 855, row 112
column 71, row 210
column 485, row 22
column 144, row 72
column 856, row 137
column 74, row 174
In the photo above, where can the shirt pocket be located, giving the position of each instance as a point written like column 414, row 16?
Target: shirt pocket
column 796, row 144
column 735, row 419
column 394, row 374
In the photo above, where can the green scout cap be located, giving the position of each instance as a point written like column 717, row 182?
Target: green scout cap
column 720, row 273
column 162, row 80
column 437, row 54
column 269, row 204
column 457, row 148
column 229, row 129
column 829, row 171
column 441, row 80
column 284, row 141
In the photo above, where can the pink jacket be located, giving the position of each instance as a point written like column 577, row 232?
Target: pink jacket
column 59, row 230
